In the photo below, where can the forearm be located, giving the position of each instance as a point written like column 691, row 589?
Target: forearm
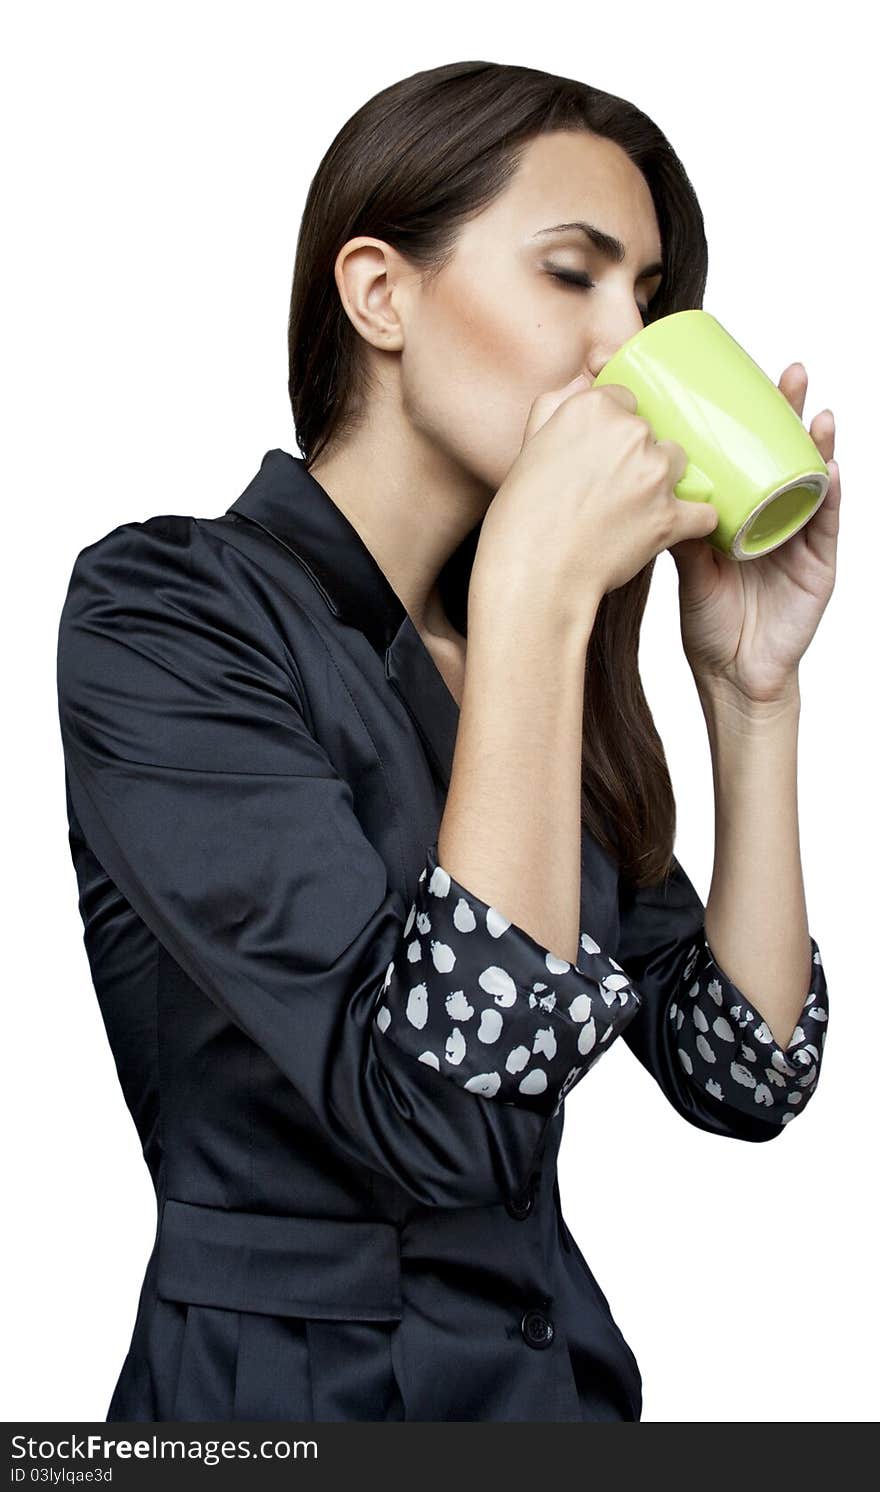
column 756, row 918
column 511, row 828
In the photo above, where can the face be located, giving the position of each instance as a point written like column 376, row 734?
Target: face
column 520, row 309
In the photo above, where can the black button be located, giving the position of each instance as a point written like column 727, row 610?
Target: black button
column 520, row 1207
column 537, row 1329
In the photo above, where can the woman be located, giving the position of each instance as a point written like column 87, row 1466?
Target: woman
column 372, row 827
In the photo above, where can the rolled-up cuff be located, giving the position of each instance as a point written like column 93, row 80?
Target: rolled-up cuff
column 480, row 1000
column 725, row 1045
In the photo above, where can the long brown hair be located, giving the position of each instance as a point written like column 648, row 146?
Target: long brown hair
column 409, row 167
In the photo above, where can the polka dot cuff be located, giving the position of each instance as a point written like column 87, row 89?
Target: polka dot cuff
column 478, row 999
column 724, row 1044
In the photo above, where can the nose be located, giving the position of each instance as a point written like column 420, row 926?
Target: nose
column 604, row 348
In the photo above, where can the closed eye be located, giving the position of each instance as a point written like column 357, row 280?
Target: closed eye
column 583, row 282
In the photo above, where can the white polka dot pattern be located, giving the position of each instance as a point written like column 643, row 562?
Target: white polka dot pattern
column 724, row 1044
column 480, row 1001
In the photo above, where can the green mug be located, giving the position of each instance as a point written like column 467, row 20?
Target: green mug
column 749, row 455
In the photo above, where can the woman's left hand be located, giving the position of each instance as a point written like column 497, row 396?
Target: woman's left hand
column 745, row 625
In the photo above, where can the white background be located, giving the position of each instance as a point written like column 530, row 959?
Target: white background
column 156, row 164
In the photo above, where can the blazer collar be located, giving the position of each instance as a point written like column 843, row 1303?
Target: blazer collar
column 290, row 505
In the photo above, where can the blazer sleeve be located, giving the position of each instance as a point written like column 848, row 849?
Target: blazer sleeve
column 434, row 1042
column 700, row 1037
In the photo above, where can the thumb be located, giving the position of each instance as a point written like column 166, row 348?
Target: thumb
column 694, row 562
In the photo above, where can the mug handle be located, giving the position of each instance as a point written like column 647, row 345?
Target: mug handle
column 694, row 486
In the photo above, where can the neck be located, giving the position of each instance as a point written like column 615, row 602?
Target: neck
column 411, row 508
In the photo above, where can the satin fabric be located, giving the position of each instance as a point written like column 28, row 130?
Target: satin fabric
column 257, row 749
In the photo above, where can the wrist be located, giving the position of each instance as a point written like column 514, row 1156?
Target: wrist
column 507, row 602
column 727, row 706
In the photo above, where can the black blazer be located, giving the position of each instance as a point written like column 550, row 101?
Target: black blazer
column 347, row 1072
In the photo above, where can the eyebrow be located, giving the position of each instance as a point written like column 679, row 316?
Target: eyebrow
column 608, row 246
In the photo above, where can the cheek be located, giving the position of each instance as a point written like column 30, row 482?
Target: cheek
column 471, row 370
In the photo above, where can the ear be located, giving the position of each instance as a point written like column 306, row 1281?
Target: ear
column 368, row 277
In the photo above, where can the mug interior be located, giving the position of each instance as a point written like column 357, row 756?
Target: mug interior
column 779, row 516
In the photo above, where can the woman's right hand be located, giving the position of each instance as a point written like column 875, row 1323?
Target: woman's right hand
column 588, row 502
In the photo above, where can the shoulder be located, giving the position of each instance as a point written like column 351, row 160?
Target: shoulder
column 217, row 555
column 192, row 571
column 137, row 555
column 170, row 591
column 142, row 550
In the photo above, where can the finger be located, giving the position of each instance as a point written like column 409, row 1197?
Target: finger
column 547, row 403
column 622, row 394
column 678, row 459
column 694, row 520
column 820, row 534
column 793, row 384
column 822, row 433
